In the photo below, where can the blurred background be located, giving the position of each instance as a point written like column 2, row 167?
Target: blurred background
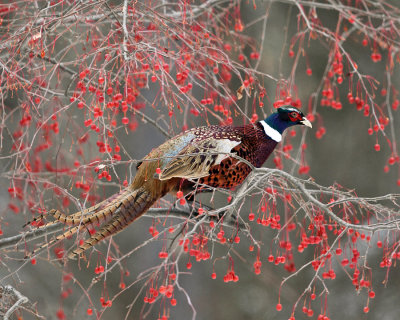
column 344, row 155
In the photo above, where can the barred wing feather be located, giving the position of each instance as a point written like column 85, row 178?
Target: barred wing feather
column 196, row 159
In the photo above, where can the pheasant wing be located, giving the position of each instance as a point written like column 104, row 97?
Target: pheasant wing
column 195, row 160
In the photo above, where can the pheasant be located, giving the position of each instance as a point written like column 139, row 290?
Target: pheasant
column 206, row 156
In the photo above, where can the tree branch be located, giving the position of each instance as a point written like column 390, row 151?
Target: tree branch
column 16, row 295
column 152, row 213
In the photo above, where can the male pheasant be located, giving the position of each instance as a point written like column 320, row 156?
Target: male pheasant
column 202, row 154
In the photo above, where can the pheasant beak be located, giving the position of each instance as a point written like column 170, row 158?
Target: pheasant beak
column 306, row 122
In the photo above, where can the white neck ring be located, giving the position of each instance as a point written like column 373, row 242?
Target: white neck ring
column 271, row 132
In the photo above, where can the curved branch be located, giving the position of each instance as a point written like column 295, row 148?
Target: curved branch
column 152, row 213
column 389, row 225
column 8, row 290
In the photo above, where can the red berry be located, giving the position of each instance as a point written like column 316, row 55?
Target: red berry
column 278, row 307
column 60, row 314
column 125, row 120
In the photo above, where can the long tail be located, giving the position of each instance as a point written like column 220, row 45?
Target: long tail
column 70, row 232
column 126, row 211
column 98, row 212
column 121, row 210
column 94, row 215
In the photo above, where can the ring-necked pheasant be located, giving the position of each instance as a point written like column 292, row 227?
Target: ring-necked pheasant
column 200, row 153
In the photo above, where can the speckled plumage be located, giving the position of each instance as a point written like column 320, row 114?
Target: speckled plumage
column 254, row 147
column 201, row 154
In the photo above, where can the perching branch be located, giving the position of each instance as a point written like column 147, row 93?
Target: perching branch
column 152, row 213
column 257, row 179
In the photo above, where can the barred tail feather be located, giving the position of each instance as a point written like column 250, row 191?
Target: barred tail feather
column 60, row 237
column 95, row 214
column 83, row 217
column 66, row 219
column 128, row 210
column 117, row 213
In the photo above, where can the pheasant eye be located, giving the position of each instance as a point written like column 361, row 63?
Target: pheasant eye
column 294, row 116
